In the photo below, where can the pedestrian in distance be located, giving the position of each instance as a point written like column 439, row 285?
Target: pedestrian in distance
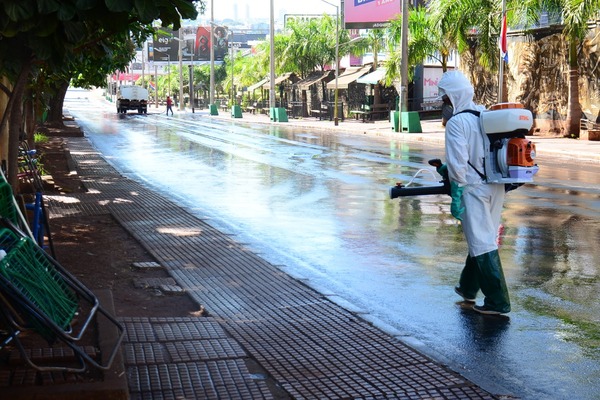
column 169, row 105
column 477, row 204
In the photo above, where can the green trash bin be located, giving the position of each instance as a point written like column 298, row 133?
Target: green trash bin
column 213, row 109
column 236, row 111
column 395, row 120
column 411, row 122
column 273, row 113
column 281, row 114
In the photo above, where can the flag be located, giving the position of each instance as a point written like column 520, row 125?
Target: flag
column 503, row 47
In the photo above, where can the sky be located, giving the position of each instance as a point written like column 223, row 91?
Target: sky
column 260, row 8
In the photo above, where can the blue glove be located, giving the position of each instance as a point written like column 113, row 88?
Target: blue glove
column 456, row 207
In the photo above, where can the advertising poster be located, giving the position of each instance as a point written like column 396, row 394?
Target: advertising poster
column 196, row 42
column 368, row 14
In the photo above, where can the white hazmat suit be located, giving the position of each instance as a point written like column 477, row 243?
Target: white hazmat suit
column 475, row 202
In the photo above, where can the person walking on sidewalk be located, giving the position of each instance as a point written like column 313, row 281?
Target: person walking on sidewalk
column 169, row 105
column 474, row 202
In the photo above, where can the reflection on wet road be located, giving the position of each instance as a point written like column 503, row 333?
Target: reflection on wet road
column 317, row 204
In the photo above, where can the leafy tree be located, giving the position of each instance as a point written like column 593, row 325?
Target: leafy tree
column 90, row 70
column 374, row 41
column 474, row 26
column 53, row 36
column 576, row 15
column 470, row 25
column 311, row 44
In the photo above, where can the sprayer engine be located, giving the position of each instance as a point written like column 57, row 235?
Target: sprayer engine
column 509, row 156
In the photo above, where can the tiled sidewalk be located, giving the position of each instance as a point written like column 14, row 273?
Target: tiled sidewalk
column 264, row 326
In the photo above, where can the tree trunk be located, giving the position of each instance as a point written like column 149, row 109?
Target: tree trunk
column 55, row 113
column 376, row 87
column 574, row 107
column 15, row 123
column 29, row 118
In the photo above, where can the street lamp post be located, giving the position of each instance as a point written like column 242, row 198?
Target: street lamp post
column 169, row 72
column 231, row 45
column 337, row 60
column 181, row 103
column 191, row 71
column 232, row 94
column 272, row 59
column 212, row 54
column 168, row 68
column 156, row 85
column 404, row 52
column 192, row 97
column 501, row 68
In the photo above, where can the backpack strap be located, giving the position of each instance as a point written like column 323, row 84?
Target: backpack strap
column 477, row 114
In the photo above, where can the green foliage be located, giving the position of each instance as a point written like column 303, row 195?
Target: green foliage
column 310, row 45
column 39, row 138
column 470, row 24
column 46, row 42
column 56, row 33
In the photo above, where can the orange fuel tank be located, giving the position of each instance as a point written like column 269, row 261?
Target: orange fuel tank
column 520, row 152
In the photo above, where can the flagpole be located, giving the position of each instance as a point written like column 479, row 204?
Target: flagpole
column 501, row 69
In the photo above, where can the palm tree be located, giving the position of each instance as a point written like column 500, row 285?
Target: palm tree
column 470, row 24
column 426, row 38
column 374, row 41
column 576, row 15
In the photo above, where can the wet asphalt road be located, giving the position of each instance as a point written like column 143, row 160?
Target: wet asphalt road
column 317, row 204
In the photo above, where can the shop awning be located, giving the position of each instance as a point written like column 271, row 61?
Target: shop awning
column 373, row 78
column 312, row 78
column 350, row 75
column 279, row 79
column 257, row 85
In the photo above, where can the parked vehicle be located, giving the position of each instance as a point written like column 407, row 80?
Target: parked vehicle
column 132, row 98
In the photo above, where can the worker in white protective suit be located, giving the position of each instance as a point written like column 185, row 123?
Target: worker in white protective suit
column 476, row 203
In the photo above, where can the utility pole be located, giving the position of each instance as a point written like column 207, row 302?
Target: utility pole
column 212, row 53
column 501, row 67
column 404, row 65
column 272, row 57
column 181, row 102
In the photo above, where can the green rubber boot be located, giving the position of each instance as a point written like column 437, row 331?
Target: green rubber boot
column 468, row 285
column 491, row 280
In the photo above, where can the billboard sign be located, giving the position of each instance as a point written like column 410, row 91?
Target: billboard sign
column 369, row 14
column 196, row 44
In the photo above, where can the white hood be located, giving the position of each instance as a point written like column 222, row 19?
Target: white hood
column 459, row 90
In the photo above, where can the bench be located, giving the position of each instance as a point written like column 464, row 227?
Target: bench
column 358, row 113
column 294, row 109
column 322, row 112
column 369, row 112
column 589, row 130
column 252, row 108
column 380, row 110
column 39, row 297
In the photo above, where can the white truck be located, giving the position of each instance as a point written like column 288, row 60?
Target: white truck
column 132, row 97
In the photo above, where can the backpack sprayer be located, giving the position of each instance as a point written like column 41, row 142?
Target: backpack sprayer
column 508, row 157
